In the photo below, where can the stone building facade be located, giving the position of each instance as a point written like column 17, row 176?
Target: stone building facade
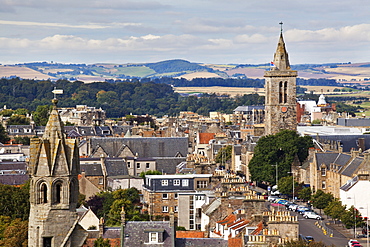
column 280, row 88
column 54, row 168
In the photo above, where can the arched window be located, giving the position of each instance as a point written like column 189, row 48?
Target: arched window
column 281, row 92
column 285, row 91
column 58, row 193
column 44, row 193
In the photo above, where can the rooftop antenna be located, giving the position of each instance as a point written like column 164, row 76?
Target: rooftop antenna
column 281, row 27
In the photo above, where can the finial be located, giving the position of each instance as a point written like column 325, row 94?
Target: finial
column 55, row 92
column 281, row 27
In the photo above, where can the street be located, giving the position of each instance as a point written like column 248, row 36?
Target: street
column 307, row 227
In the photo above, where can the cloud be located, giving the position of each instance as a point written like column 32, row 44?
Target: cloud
column 355, row 33
column 63, row 25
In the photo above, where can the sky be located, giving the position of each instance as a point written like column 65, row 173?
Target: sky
column 201, row 31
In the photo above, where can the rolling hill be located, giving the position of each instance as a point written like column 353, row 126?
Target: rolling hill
column 342, row 72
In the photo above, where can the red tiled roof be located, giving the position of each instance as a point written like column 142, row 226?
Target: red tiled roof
column 204, row 138
column 189, row 234
column 228, row 220
column 258, row 229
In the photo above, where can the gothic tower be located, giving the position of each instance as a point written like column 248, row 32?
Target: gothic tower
column 280, row 88
column 54, row 167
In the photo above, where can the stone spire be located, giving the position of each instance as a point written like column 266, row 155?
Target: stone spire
column 281, row 59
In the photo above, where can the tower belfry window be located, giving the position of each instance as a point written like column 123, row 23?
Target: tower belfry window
column 58, row 193
column 285, row 91
column 44, row 193
column 281, row 92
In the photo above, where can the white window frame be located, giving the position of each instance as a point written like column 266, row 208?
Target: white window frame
column 164, row 182
column 165, row 196
column 176, row 209
column 153, row 237
column 185, row 182
column 176, row 182
column 165, row 209
column 201, row 184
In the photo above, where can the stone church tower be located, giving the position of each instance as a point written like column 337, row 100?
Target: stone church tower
column 280, row 88
column 54, row 167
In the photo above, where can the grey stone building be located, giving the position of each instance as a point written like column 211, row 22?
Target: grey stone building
column 280, row 87
column 54, row 169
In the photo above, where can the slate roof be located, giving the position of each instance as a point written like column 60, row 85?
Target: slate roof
column 332, row 158
column 116, row 167
column 86, row 131
column 112, row 232
column 347, row 141
column 91, row 169
column 201, row 242
column 14, row 179
column 13, row 173
column 349, row 184
column 244, row 108
column 143, row 146
column 352, row 166
column 168, row 164
column 120, row 130
column 137, row 231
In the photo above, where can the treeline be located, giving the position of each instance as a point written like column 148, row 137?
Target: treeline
column 210, row 82
column 117, row 99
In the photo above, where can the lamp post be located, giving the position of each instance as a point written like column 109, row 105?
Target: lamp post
column 367, row 224
column 354, row 214
column 293, row 183
column 276, row 172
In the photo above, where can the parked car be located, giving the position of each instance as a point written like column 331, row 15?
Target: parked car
column 283, row 202
column 311, row 215
column 309, row 238
column 302, row 209
column 353, row 242
column 293, row 207
column 272, row 198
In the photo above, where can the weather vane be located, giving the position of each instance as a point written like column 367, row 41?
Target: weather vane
column 281, row 28
column 55, row 92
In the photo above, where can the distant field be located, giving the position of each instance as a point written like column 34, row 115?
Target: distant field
column 232, row 91
column 23, row 72
column 199, row 75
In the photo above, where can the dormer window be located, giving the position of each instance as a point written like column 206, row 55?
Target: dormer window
column 153, row 237
column 323, row 170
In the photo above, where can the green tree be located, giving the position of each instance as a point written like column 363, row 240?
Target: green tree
column 305, row 194
column 285, row 185
column 6, row 112
column 224, row 155
column 13, row 232
column 18, row 120
column 127, row 198
column 321, row 199
column 4, row 138
column 150, row 172
column 335, row 209
column 21, row 111
column 101, row 242
column 279, row 149
column 22, row 140
column 41, row 115
column 316, row 121
column 352, row 217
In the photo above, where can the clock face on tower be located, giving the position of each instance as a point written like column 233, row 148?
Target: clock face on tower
column 284, row 109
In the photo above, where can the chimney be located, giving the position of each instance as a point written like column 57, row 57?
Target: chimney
column 101, row 227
